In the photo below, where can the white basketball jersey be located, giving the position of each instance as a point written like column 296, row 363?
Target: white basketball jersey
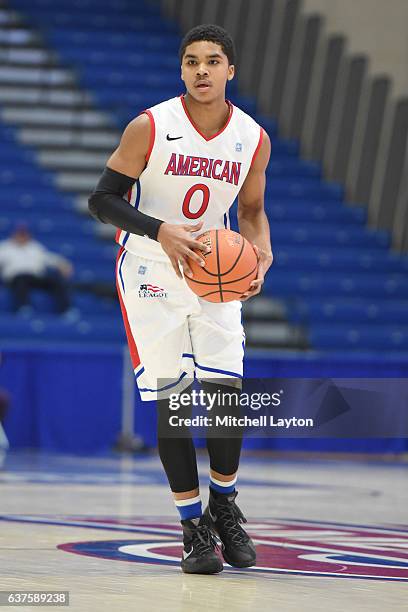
column 189, row 177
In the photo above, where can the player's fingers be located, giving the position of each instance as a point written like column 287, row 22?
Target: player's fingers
column 257, row 282
column 185, row 264
column 250, row 293
column 195, row 257
column 200, row 246
column 246, row 295
column 186, row 268
column 176, row 267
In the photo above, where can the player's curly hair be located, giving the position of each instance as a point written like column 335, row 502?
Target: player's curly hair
column 212, row 33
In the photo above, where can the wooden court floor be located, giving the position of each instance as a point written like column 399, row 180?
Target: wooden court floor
column 330, row 535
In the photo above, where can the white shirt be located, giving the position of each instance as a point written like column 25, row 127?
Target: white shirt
column 190, row 177
column 29, row 258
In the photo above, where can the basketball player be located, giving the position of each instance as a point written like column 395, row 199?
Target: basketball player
column 182, row 163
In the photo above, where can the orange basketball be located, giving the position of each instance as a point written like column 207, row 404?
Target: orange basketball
column 230, row 266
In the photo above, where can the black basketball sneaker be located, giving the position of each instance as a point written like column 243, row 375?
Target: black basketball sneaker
column 237, row 547
column 199, row 556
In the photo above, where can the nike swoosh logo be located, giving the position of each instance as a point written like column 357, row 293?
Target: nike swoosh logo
column 175, row 137
column 187, row 554
column 212, row 516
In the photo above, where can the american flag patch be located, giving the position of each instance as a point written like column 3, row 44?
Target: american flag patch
column 149, row 287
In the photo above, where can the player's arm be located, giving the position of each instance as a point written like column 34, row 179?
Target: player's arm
column 252, row 219
column 107, row 204
column 124, row 166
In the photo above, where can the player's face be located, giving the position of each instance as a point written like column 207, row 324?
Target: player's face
column 205, row 71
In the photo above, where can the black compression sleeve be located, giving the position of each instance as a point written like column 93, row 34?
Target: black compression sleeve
column 107, row 205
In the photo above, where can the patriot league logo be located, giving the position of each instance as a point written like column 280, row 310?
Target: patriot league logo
column 146, row 290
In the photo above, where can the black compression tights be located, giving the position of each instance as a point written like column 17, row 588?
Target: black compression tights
column 178, row 455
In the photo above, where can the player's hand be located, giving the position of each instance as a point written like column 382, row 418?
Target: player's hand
column 265, row 260
column 179, row 246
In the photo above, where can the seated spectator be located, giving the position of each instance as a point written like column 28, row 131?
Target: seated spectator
column 26, row 264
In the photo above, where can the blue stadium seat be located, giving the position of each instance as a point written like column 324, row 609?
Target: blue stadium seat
column 301, row 212
column 320, row 234
column 88, row 304
column 279, row 283
column 293, row 168
column 373, row 337
column 307, row 188
column 313, row 259
column 348, row 310
column 46, row 327
column 126, row 41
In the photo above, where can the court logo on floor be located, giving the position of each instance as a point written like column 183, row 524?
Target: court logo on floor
column 284, row 546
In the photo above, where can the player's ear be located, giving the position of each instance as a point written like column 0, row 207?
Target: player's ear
column 231, row 72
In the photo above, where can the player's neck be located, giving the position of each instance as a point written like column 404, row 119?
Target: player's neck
column 209, row 118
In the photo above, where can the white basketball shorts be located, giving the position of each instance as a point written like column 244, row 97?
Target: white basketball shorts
column 173, row 334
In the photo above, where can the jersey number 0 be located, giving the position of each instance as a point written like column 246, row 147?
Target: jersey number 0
column 204, row 204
